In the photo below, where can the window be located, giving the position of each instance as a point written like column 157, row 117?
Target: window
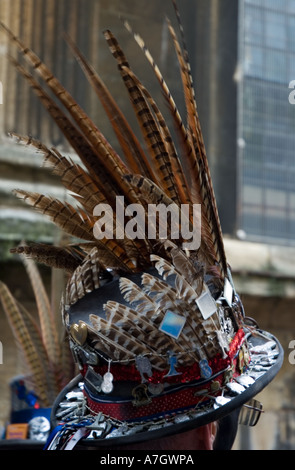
column 267, row 120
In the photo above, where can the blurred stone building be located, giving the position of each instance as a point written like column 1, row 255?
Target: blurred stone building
column 242, row 54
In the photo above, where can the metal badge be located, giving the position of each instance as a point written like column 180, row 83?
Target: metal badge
column 79, row 332
column 235, row 388
column 214, row 386
column 100, row 426
column 107, row 381
column 39, row 428
column 220, row 401
column 93, row 380
column 155, row 389
column 141, row 397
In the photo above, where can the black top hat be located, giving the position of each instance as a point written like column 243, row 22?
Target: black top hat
column 128, row 393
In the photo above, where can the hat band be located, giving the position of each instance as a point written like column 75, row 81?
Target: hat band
column 196, row 392
column 129, row 372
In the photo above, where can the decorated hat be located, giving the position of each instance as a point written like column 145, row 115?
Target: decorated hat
column 154, row 322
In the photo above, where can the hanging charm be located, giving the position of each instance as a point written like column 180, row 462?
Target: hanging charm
column 172, row 363
column 205, row 369
column 107, row 381
column 144, row 366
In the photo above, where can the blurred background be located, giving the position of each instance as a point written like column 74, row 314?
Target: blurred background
column 242, row 54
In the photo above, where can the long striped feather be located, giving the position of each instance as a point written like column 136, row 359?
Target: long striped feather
column 201, row 162
column 135, row 156
column 75, row 137
column 110, row 160
column 189, row 159
column 184, row 138
column 64, row 215
column 47, row 320
column 53, row 256
column 161, row 162
column 179, row 177
column 24, row 340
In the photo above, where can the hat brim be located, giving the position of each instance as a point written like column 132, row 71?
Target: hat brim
column 189, row 419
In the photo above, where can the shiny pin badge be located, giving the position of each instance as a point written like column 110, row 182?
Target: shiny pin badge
column 79, row 332
column 214, row 386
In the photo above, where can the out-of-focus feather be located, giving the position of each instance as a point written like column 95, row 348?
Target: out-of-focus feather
column 47, row 321
column 52, row 369
column 24, row 340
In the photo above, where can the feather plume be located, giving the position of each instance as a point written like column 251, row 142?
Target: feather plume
column 43, row 373
column 155, row 175
column 196, row 169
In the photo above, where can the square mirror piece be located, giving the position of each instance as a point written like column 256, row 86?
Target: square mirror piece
column 172, row 324
column 206, row 304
